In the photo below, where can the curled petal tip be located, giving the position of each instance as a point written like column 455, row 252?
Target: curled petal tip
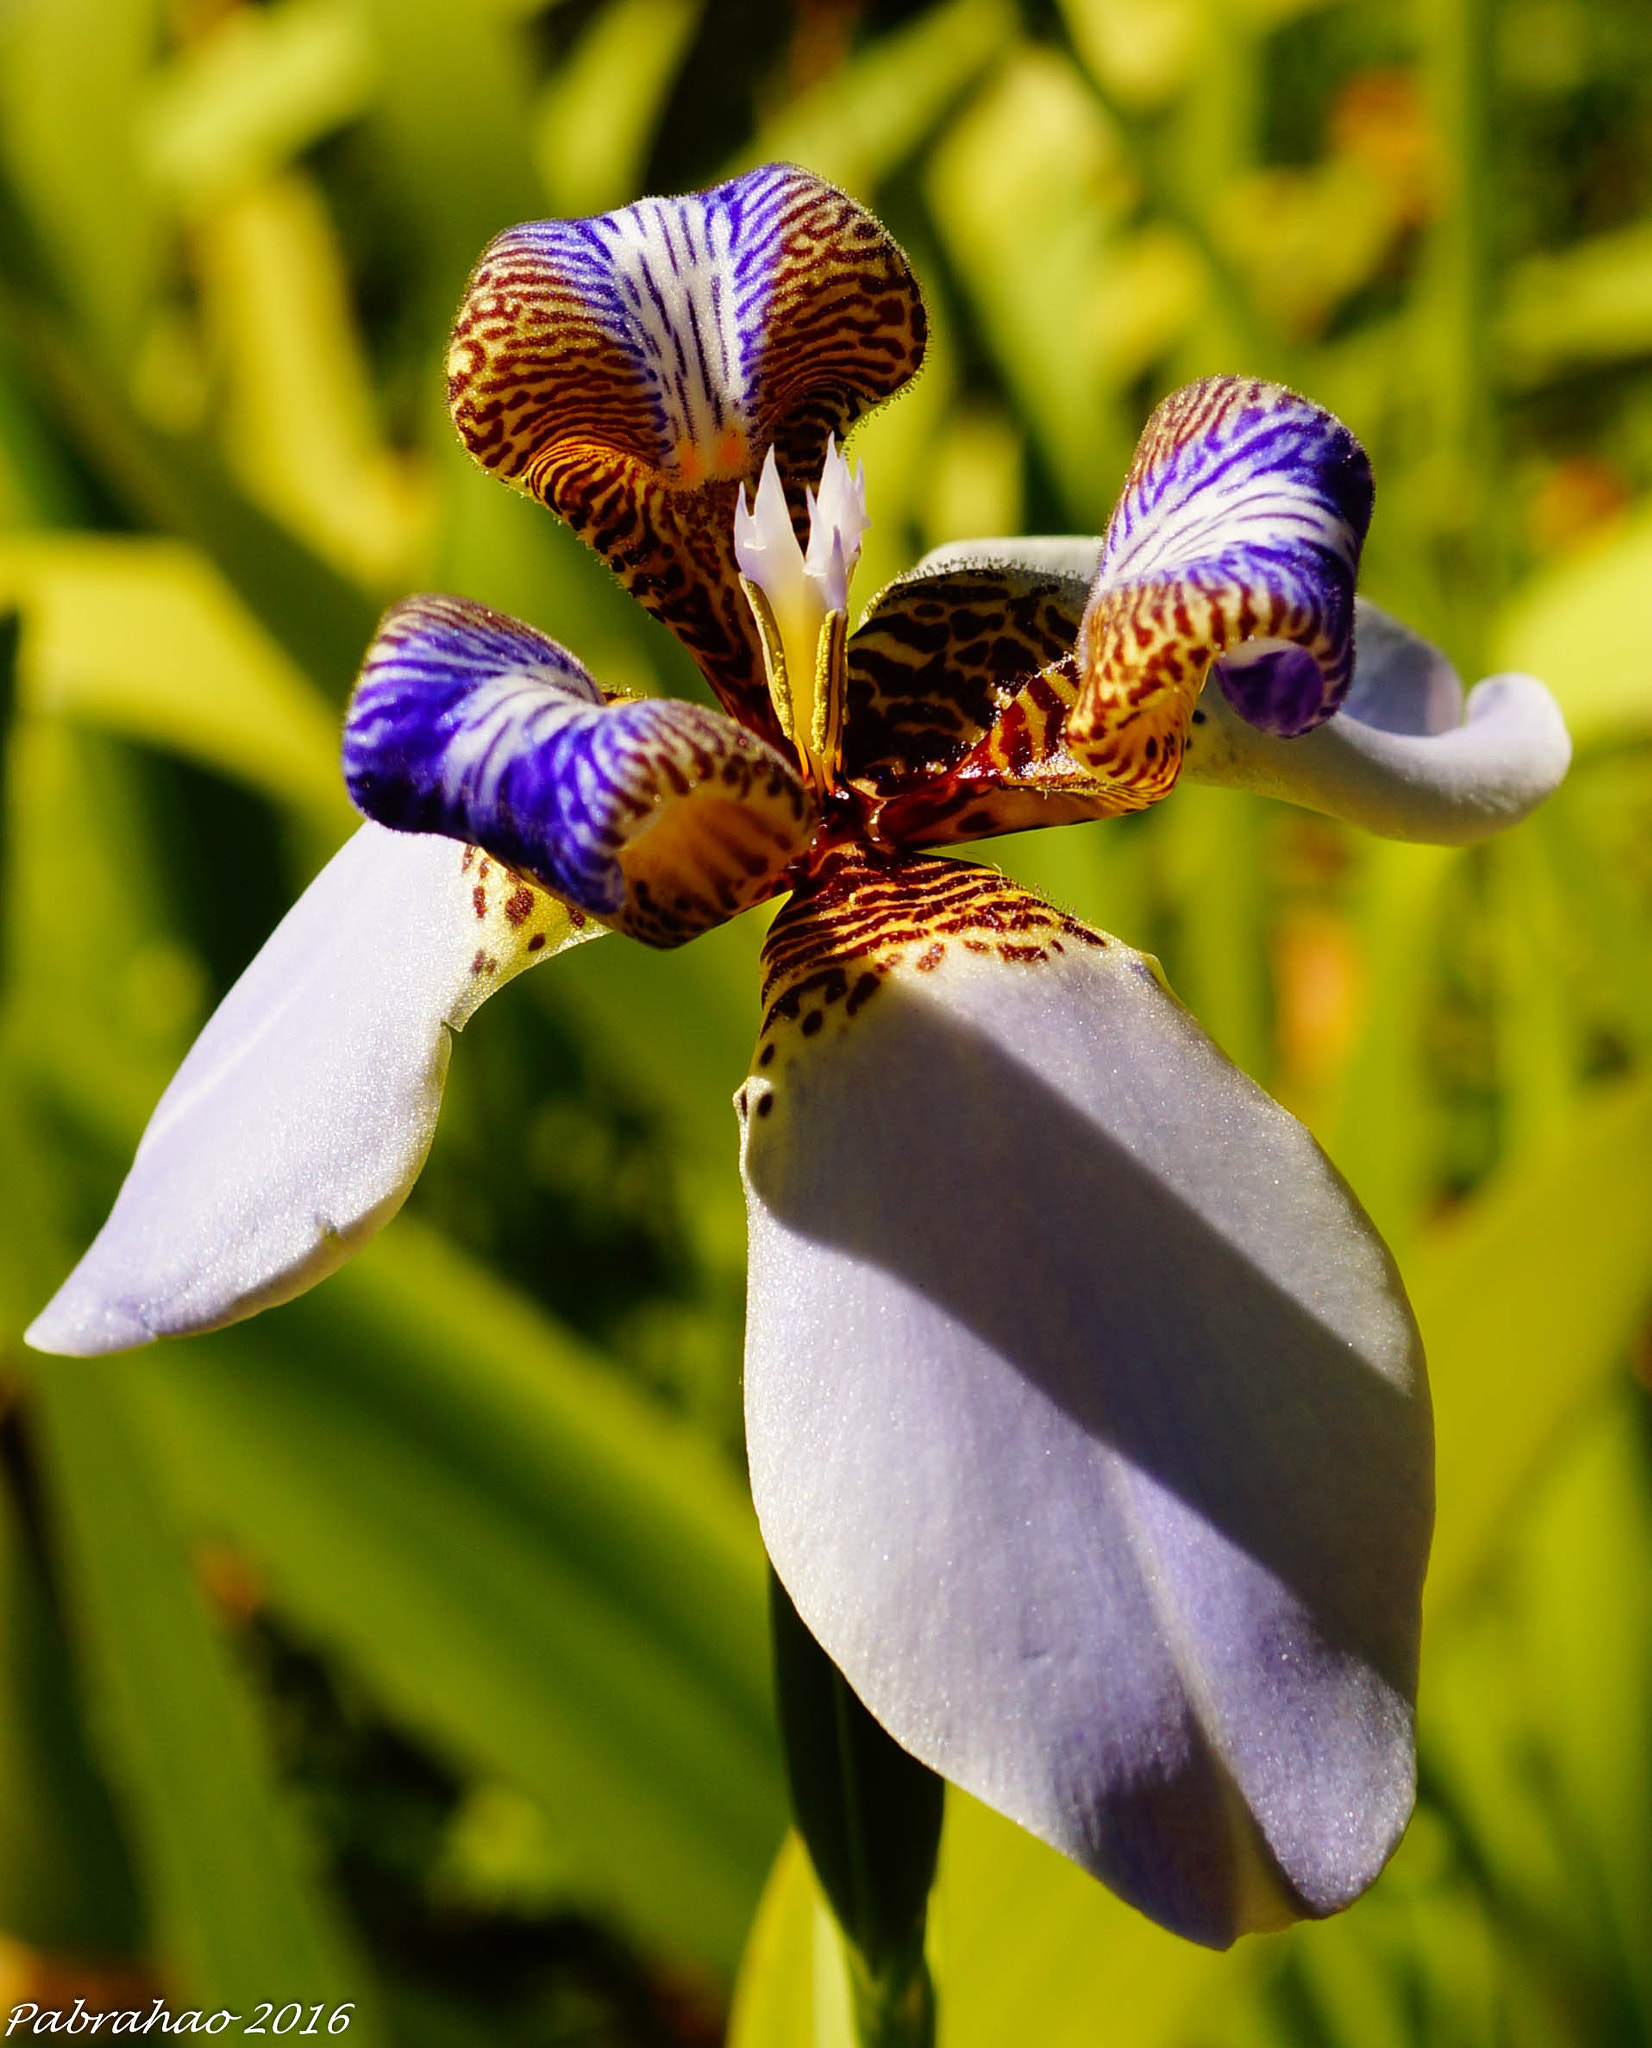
column 1406, row 757
column 661, row 816
column 1241, row 521
column 637, row 361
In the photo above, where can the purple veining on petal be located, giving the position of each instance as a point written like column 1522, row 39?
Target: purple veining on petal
column 681, row 289
column 473, row 725
column 1279, row 689
column 1245, row 495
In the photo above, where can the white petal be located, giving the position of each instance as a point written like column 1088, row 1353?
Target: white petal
column 1395, row 759
column 1086, row 1416
column 1072, row 555
column 303, row 1112
column 765, row 546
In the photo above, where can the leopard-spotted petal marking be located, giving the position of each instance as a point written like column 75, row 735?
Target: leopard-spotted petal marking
column 632, row 370
column 302, row 1115
column 1399, row 758
column 1235, row 541
column 662, row 818
column 1087, row 1421
column 960, row 678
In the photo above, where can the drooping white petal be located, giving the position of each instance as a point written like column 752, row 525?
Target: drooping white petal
column 1404, row 757
column 302, row 1114
column 1086, row 1416
column 1072, row 556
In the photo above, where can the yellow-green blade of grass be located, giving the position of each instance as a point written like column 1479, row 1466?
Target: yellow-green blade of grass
column 143, row 638
column 532, row 1568
column 1527, row 1299
column 236, row 1909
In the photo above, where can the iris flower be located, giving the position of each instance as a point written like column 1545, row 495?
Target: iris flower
column 1087, row 1420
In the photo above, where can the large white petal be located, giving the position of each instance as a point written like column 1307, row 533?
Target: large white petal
column 1404, row 757
column 303, row 1112
column 1087, row 1420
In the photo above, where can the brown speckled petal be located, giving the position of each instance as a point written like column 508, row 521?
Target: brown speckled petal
column 632, row 370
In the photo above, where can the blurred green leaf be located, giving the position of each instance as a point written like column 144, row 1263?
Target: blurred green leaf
column 1567, row 626
column 1383, row 1134
column 1211, row 855
column 1029, row 1947
column 65, row 1882
column 100, row 995
column 1539, row 1701
column 1144, row 51
column 1591, row 303
column 679, row 1028
column 298, row 422
column 237, row 1915
column 143, row 638
column 596, row 116
column 793, row 1990
column 869, row 117
column 451, row 123
column 1077, row 311
column 247, row 97
column 178, row 484
column 1025, row 1947
column 533, row 1568
column 1527, row 1299
column 1538, row 1053
column 69, row 75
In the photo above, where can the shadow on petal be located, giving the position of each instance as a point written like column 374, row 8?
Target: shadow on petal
column 1088, row 1429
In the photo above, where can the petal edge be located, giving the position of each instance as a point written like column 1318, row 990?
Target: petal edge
column 300, row 1118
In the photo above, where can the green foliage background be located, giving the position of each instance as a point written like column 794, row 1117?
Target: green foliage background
column 406, row 1646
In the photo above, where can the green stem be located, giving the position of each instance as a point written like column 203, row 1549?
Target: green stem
column 870, row 1816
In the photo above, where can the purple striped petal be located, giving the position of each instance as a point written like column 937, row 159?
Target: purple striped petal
column 1232, row 550
column 632, row 371
column 1086, row 1416
column 1404, row 756
column 663, row 818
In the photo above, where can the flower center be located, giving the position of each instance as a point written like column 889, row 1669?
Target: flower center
column 800, row 601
